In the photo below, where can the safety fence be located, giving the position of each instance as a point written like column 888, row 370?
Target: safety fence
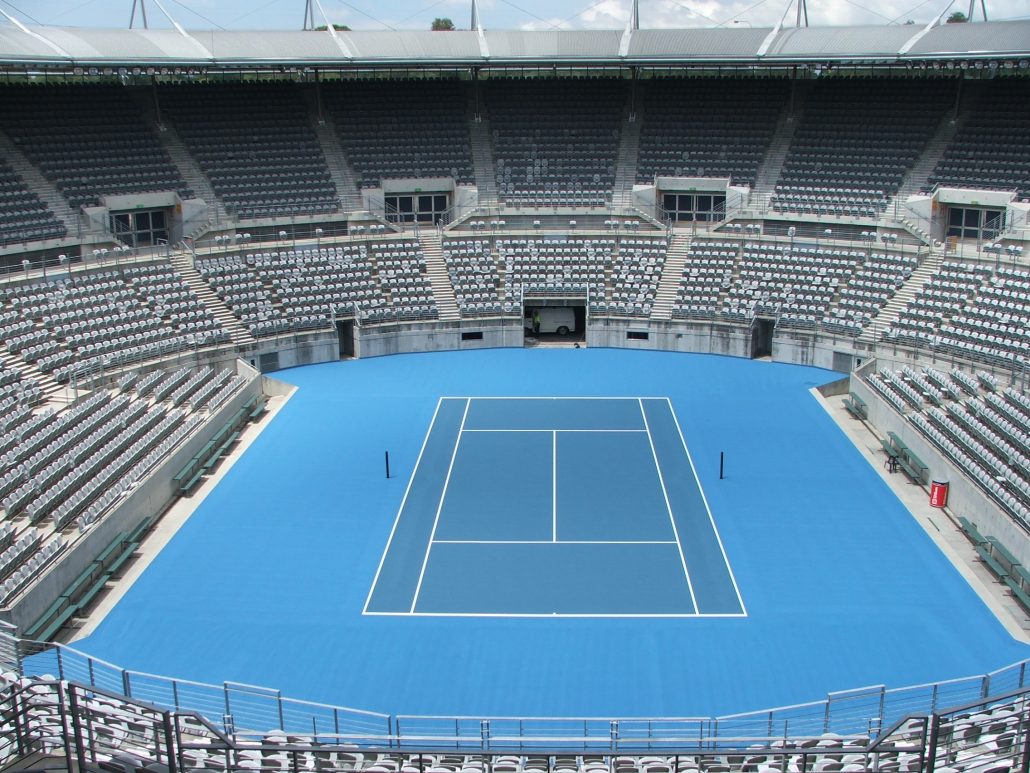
column 242, row 708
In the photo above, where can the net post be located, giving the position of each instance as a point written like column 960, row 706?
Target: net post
column 388, row 464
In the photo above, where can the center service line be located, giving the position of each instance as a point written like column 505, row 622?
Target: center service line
column 554, row 486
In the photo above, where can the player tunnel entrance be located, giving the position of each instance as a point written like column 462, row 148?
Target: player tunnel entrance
column 554, row 320
column 762, row 329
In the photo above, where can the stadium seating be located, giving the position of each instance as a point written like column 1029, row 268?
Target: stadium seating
column 410, row 129
column 23, row 216
column 275, row 292
column 981, row 428
column 269, row 165
column 104, row 319
column 856, row 140
column 975, row 310
column 708, row 127
column 90, row 141
column 989, row 149
column 555, row 141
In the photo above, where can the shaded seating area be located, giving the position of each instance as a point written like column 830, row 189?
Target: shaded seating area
column 89, row 140
column 989, row 149
column 270, row 164
column 708, row 127
column 410, row 129
column 857, row 139
column 555, row 141
column 24, row 216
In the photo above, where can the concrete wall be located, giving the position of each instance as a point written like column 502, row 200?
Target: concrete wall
column 380, row 340
column 965, row 497
column 149, row 498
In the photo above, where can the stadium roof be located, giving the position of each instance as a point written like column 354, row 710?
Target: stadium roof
column 44, row 46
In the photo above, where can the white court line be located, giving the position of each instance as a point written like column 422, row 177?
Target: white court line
column 550, row 542
column 439, row 507
column 561, row 615
column 553, row 397
column 553, row 430
column 668, row 505
column 725, row 558
column 400, row 510
column 554, row 487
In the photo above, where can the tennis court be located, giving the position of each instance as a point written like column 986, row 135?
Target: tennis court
column 554, row 506
column 269, row 581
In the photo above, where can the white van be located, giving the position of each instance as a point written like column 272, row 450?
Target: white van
column 553, row 319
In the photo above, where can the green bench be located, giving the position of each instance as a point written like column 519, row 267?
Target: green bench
column 992, row 563
column 897, row 442
column 856, row 406
column 136, row 534
column 914, row 467
column 1018, row 592
column 1002, row 553
column 55, row 609
column 57, row 623
column 93, row 590
column 889, row 449
column 124, row 556
column 970, row 530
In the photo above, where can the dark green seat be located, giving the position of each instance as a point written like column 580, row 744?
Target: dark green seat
column 94, row 589
column 1021, row 595
column 856, row 406
column 188, row 487
column 73, row 591
column 971, row 531
column 140, row 530
column 914, row 467
column 53, row 611
column 992, row 562
column 123, row 557
column 889, row 449
column 897, row 442
column 1002, row 553
column 111, row 550
column 57, row 623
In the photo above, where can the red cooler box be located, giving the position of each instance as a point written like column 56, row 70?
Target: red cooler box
column 939, row 493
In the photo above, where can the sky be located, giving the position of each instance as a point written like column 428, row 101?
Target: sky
column 494, row 14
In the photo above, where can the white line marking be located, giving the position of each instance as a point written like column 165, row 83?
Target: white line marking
column 550, row 542
column 704, row 499
column 553, row 397
column 551, row 429
column 554, row 487
column 561, row 615
column 668, row 505
column 439, row 507
column 400, row 510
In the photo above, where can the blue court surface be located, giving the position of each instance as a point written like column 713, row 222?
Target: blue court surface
column 554, row 540
column 554, row 506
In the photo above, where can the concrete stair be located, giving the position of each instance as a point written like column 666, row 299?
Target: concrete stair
column 672, row 274
column 340, row 171
column 772, row 165
column 47, row 384
column 482, row 156
column 38, row 184
column 889, row 313
column 918, row 176
column 184, row 161
column 626, row 161
column 439, row 278
column 183, row 265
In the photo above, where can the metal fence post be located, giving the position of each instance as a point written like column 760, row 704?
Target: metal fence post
column 126, row 686
column 170, row 745
column 931, row 744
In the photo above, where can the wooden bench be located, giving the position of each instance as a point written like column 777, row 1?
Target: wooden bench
column 856, row 406
column 43, row 622
column 57, row 623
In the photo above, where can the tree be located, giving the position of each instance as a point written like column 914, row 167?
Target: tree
column 444, row 24
column 957, row 18
column 337, row 27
